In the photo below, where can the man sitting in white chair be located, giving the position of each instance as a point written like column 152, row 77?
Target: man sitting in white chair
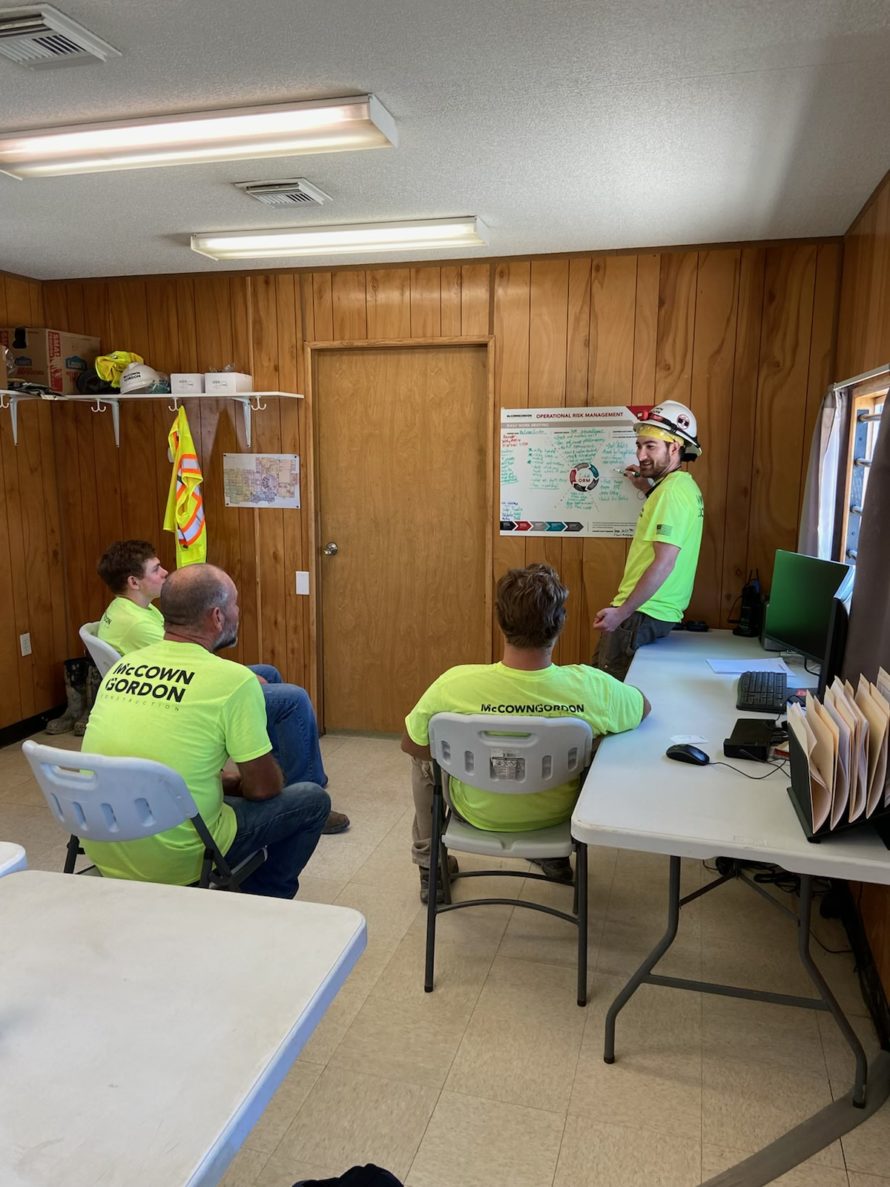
column 133, row 573
column 531, row 611
column 181, row 704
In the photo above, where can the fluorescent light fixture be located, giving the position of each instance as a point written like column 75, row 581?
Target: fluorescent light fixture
column 283, row 130
column 354, row 238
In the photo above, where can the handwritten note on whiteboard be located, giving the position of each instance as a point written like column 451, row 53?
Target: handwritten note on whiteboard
column 561, row 471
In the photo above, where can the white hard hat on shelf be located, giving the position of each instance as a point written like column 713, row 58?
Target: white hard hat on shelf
column 139, row 379
column 679, row 421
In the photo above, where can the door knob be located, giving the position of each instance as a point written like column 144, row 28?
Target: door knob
column 330, row 549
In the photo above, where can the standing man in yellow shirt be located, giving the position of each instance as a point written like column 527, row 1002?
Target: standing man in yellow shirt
column 660, row 571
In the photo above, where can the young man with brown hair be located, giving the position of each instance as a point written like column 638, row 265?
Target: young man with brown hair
column 531, row 613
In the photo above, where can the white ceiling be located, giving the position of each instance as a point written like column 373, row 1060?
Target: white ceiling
column 566, row 125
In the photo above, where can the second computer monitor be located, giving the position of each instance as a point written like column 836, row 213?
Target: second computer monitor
column 801, row 600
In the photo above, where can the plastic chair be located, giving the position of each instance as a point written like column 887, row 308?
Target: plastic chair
column 103, row 655
column 507, row 757
column 12, row 858
column 102, row 798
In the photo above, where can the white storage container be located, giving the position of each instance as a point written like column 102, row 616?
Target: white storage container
column 189, row 383
column 227, row 383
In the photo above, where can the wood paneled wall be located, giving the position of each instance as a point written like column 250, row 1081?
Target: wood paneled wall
column 863, row 344
column 32, row 582
column 745, row 335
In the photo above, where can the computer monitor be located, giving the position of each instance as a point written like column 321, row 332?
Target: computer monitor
column 801, row 601
column 838, row 627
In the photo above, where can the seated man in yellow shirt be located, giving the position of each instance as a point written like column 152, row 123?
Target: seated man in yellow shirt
column 531, row 614
column 179, row 703
column 133, row 573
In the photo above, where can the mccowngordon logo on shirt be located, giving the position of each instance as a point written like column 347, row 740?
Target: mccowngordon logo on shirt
column 149, row 680
column 532, row 710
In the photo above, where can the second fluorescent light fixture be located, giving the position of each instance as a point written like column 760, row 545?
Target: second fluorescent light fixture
column 349, row 239
column 244, row 133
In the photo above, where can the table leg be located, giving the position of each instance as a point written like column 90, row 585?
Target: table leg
column 803, row 943
column 649, row 963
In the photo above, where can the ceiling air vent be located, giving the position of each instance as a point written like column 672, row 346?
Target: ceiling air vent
column 293, row 191
column 42, row 37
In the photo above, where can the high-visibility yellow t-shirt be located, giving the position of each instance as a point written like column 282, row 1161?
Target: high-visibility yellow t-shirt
column 181, row 705
column 575, row 690
column 127, row 627
column 673, row 513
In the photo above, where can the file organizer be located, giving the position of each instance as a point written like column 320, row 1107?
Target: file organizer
column 799, row 794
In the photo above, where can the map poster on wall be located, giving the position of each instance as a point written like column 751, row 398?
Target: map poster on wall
column 261, row 479
column 561, row 471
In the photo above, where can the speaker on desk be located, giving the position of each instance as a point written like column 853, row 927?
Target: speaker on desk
column 751, row 615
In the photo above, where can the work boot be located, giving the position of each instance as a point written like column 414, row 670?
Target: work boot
column 337, row 822
column 92, row 687
column 453, row 868
column 76, row 691
column 557, row 869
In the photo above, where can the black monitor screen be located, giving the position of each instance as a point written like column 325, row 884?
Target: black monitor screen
column 800, row 602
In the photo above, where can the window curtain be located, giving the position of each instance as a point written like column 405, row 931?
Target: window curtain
column 822, row 513
column 868, row 643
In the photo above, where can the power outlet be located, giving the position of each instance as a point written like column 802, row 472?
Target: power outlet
column 25, row 643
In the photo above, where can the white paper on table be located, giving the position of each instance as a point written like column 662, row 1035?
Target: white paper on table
column 882, row 684
column 734, row 667
column 820, row 795
column 825, row 755
column 845, row 775
column 870, row 707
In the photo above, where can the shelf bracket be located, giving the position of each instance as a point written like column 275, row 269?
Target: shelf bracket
column 246, row 409
column 12, row 403
column 115, row 407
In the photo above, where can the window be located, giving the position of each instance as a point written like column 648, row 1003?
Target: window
column 865, row 420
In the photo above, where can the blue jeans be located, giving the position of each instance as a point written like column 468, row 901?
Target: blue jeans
column 292, row 728
column 288, row 826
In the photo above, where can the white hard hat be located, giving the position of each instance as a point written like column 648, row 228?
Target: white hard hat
column 139, row 379
column 678, row 420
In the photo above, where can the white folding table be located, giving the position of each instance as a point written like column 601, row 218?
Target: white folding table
column 634, row 797
column 144, row 1028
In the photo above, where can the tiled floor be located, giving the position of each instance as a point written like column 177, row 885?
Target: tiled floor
column 496, row 1079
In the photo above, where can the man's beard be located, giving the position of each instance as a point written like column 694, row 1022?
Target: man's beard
column 228, row 638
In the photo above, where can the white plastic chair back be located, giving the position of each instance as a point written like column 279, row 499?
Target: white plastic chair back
column 502, row 754
column 104, row 656
column 99, row 798
column 12, row 858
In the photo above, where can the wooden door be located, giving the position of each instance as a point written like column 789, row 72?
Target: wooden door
column 403, row 456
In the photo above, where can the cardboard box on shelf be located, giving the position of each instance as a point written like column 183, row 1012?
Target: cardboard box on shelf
column 186, row 383
column 51, row 358
column 227, row 383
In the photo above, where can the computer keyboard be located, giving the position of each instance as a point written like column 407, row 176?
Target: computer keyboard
column 762, row 692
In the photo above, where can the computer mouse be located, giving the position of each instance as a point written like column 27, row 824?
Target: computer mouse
column 687, row 753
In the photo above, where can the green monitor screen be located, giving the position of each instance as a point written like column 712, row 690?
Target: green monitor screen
column 800, row 602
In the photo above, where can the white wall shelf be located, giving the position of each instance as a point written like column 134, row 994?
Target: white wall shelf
column 250, row 402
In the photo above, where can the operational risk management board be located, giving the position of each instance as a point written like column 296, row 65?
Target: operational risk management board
column 562, row 471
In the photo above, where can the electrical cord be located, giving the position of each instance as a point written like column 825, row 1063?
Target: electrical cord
column 777, row 766
column 769, row 875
